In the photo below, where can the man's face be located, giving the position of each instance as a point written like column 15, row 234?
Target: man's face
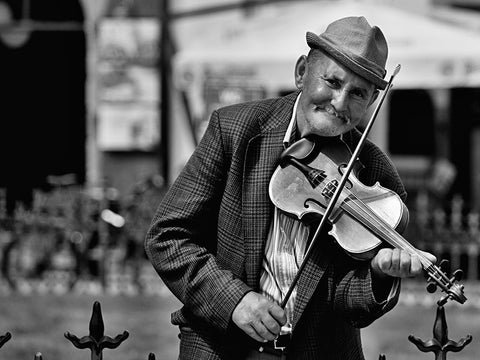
column 333, row 99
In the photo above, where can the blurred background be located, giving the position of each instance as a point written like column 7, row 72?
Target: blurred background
column 103, row 101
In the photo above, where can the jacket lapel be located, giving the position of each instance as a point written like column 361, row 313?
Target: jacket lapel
column 313, row 271
column 261, row 158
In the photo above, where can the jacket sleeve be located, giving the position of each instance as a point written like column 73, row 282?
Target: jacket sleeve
column 354, row 297
column 181, row 240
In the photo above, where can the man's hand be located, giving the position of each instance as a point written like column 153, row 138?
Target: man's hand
column 398, row 263
column 259, row 317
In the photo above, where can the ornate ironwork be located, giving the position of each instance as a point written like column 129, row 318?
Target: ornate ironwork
column 440, row 344
column 5, row 338
column 96, row 341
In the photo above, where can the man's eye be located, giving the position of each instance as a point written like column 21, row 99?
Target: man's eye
column 358, row 94
column 331, row 82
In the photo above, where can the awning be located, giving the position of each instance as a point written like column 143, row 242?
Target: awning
column 432, row 54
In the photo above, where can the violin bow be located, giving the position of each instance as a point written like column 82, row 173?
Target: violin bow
column 341, row 185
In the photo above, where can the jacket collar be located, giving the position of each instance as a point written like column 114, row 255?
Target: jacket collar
column 280, row 114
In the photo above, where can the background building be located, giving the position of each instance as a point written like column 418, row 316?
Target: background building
column 82, row 84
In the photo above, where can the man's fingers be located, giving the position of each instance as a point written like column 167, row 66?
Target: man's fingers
column 259, row 317
column 396, row 256
column 278, row 314
column 429, row 256
column 416, row 266
column 250, row 331
column 271, row 325
column 401, row 263
column 384, row 259
column 406, row 262
column 263, row 332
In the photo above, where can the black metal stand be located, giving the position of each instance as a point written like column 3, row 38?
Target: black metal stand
column 440, row 344
column 96, row 341
column 5, row 338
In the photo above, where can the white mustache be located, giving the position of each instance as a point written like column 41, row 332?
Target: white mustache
column 331, row 110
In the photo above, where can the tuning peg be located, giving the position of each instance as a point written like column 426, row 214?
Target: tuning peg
column 457, row 275
column 444, row 265
column 431, row 286
column 438, row 277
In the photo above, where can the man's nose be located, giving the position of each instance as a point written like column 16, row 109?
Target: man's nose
column 340, row 100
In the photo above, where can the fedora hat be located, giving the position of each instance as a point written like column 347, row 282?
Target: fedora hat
column 355, row 44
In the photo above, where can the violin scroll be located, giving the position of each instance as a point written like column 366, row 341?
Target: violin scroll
column 452, row 289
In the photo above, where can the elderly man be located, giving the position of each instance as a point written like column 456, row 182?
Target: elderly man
column 229, row 255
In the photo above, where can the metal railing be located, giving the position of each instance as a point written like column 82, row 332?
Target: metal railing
column 71, row 234
column 96, row 341
column 451, row 234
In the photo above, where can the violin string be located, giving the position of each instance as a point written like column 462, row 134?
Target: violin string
column 386, row 231
column 374, row 222
column 366, row 213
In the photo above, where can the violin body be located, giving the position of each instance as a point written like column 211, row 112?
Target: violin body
column 293, row 191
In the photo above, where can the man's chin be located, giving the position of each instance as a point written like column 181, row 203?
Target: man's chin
column 329, row 131
column 330, row 127
column 323, row 133
column 325, row 126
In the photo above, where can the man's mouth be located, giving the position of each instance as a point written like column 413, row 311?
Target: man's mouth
column 331, row 111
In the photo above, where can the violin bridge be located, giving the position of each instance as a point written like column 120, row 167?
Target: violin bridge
column 330, row 188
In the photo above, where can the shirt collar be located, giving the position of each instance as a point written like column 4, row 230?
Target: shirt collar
column 292, row 124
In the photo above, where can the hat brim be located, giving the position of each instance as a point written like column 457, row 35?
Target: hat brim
column 351, row 61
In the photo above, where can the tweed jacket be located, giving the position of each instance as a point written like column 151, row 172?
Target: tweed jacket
column 207, row 239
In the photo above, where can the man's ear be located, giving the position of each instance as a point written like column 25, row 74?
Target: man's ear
column 300, row 70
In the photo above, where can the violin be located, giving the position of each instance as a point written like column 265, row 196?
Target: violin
column 363, row 218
